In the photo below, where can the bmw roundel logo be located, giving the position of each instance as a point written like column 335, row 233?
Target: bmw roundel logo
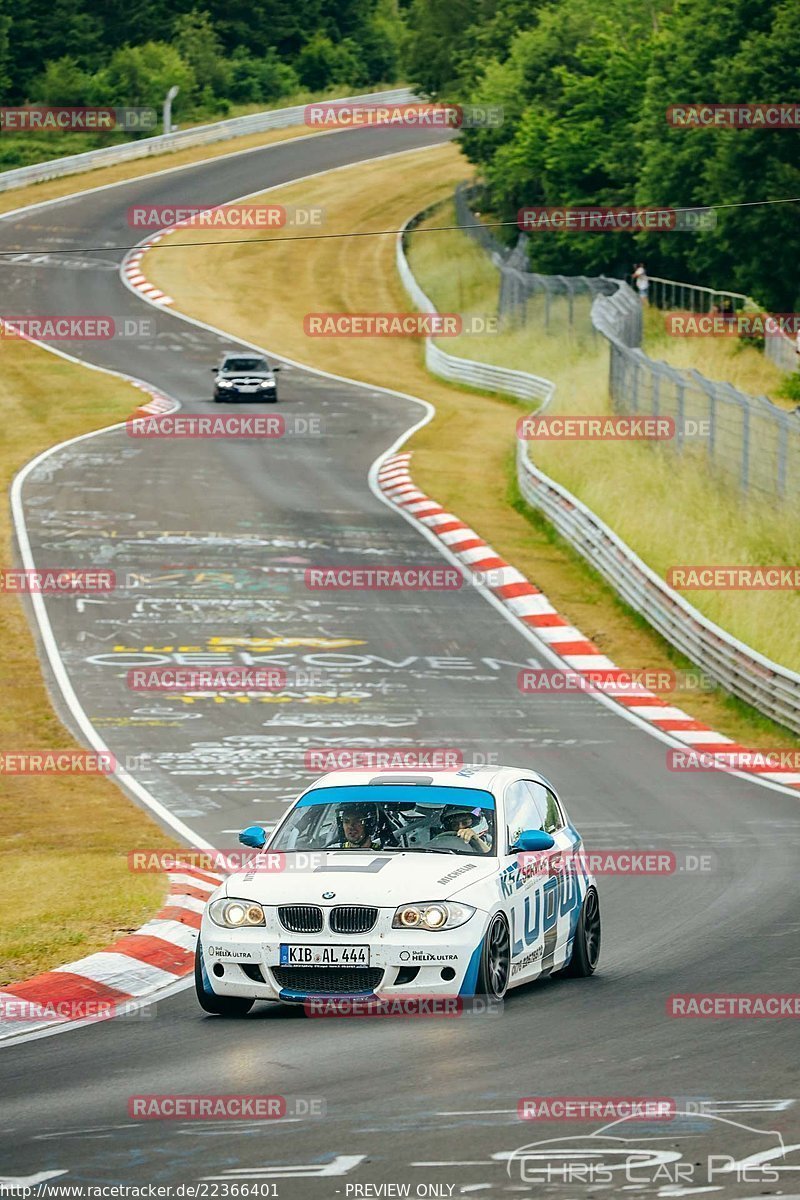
column 328, row 895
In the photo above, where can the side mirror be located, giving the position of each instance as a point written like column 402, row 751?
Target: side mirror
column 532, row 840
column 253, row 836
column 215, row 370
column 275, row 368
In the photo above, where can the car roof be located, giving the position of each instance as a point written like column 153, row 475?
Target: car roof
column 492, row 779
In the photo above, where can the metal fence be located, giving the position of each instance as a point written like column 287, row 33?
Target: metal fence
column 770, row 687
column 782, row 350
column 692, row 297
column 466, row 370
column 779, row 348
column 201, row 135
column 745, row 440
column 552, row 301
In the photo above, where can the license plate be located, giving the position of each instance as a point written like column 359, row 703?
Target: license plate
column 247, row 387
column 324, row 956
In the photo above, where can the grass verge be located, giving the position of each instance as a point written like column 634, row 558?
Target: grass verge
column 725, row 359
column 63, row 840
column 667, row 508
column 463, row 457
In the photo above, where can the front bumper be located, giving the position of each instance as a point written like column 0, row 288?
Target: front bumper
column 246, row 962
column 237, row 393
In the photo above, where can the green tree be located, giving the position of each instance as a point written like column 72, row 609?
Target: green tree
column 5, row 25
column 380, row 42
column 254, row 80
column 63, row 82
column 142, row 75
column 322, row 63
column 437, row 32
column 199, row 45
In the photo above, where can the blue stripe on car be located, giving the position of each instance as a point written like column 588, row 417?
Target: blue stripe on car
column 470, row 981
column 373, row 793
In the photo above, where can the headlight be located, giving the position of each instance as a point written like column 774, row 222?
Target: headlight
column 224, row 383
column 267, row 383
column 432, row 915
column 235, row 914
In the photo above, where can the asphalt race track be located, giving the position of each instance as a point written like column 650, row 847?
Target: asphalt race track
column 212, row 538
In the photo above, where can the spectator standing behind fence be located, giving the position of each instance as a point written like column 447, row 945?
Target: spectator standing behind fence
column 641, row 281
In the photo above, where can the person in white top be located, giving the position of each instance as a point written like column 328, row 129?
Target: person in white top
column 641, row 281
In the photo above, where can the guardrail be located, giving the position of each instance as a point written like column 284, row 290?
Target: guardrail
column 201, row 135
column 694, row 298
column 769, row 687
column 475, row 374
column 781, row 349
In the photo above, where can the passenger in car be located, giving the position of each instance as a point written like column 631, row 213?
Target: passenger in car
column 462, row 822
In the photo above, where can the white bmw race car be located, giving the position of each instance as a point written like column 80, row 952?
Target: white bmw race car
column 458, row 883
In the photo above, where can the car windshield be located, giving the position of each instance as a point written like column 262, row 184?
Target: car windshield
column 392, row 817
column 245, row 364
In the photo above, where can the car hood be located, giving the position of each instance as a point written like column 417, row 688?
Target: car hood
column 369, row 877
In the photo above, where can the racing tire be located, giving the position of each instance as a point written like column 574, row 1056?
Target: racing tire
column 494, row 971
column 210, row 1002
column 586, row 946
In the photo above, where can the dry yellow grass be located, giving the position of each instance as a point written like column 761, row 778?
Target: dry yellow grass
column 666, row 508
column 63, row 840
column 722, row 358
column 463, row 458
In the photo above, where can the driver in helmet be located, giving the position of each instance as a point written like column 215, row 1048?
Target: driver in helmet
column 461, row 822
column 358, row 823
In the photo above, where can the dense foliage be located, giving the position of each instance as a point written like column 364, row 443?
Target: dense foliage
column 585, row 85
column 222, row 53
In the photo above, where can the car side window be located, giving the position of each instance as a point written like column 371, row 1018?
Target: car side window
column 550, row 818
column 521, row 810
